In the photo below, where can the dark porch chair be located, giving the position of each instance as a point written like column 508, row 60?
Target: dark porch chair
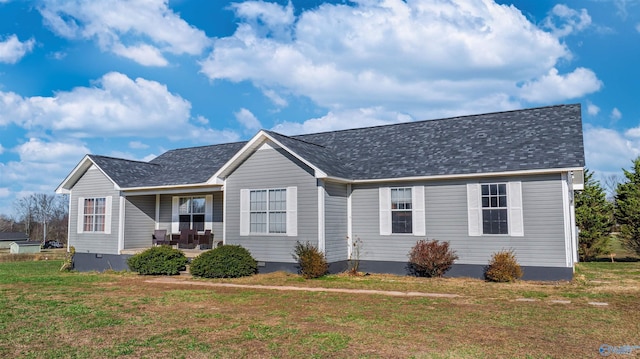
column 187, row 238
column 204, row 240
column 159, row 237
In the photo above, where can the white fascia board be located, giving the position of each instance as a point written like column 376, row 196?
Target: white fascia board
column 458, row 176
column 77, row 172
column 202, row 187
column 252, row 145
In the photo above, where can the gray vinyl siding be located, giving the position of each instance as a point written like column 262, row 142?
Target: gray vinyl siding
column 335, row 218
column 94, row 184
column 266, row 169
column 543, row 243
column 139, row 221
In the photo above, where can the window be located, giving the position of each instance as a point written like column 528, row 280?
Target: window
column 401, row 210
column 494, row 209
column 94, row 214
column 191, row 213
column 268, row 211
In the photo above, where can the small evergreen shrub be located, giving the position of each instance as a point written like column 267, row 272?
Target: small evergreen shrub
column 503, row 267
column 431, row 258
column 311, row 262
column 158, row 260
column 228, row 261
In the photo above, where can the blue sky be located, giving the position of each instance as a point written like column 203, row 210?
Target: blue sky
column 133, row 79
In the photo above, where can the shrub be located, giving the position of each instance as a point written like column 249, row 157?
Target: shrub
column 431, row 258
column 228, row 261
column 158, row 260
column 503, row 267
column 311, row 262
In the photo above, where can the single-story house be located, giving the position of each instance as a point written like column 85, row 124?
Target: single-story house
column 6, row 238
column 485, row 183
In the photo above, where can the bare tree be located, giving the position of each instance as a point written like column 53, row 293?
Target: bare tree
column 610, row 184
column 44, row 216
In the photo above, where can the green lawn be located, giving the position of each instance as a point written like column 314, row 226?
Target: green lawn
column 48, row 314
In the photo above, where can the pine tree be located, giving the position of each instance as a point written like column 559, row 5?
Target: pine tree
column 627, row 211
column 594, row 217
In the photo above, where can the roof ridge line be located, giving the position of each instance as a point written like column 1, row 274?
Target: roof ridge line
column 295, row 139
column 437, row 119
column 124, row 159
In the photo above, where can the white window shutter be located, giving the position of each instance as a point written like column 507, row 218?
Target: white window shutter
column 107, row 215
column 175, row 215
column 385, row 210
column 208, row 211
column 474, row 209
column 417, row 199
column 292, row 211
column 244, row 212
column 516, row 220
column 80, row 214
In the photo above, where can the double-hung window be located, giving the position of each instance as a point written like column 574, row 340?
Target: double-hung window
column 191, row 213
column 401, row 210
column 268, row 211
column 94, row 214
column 494, row 208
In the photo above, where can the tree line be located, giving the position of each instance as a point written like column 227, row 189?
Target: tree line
column 41, row 216
column 599, row 219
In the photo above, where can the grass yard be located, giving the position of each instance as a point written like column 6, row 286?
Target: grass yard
column 48, row 314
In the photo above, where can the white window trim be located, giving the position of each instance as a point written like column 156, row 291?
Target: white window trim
column 515, row 217
column 417, row 208
column 291, row 212
column 107, row 215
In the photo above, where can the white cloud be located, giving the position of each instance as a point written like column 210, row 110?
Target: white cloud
column 248, row 120
column 12, row 49
column 141, row 30
column 4, row 192
column 615, row 114
column 143, row 54
column 275, row 98
column 592, row 109
column 638, row 27
column 420, row 57
column 38, row 151
column 1, row 149
column 553, row 87
column 608, row 150
column 343, row 120
column 563, row 21
column 115, row 106
column 137, row 145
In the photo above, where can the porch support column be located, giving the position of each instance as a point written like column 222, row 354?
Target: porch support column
column 321, row 224
column 157, row 211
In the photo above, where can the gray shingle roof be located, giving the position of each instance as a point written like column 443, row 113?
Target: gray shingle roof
column 531, row 139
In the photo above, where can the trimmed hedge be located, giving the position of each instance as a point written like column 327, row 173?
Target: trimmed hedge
column 158, row 260
column 228, row 261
